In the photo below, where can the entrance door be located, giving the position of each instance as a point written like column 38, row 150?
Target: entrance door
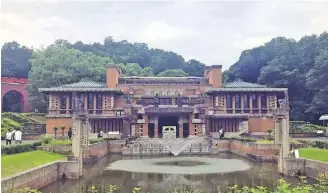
column 186, row 130
column 169, row 131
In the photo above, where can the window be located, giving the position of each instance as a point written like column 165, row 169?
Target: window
column 246, row 101
column 99, row 101
column 237, row 101
column 119, row 113
column 162, row 101
column 254, row 101
column 168, row 101
column 229, row 101
column 263, row 101
column 90, row 101
column 196, row 116
column 63, row 102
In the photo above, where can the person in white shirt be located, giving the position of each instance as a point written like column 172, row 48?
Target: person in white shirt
column 8, row 137
column 18, row 136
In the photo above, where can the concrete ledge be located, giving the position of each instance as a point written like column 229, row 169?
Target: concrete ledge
column 40, row 176
column 311, row 168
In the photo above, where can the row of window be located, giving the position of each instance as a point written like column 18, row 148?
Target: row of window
column 90, row 99
column 254, row 98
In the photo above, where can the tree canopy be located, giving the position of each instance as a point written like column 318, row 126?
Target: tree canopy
column 173, row 73
column 301, row 66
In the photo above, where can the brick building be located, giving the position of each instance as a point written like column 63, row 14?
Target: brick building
column 141, row 106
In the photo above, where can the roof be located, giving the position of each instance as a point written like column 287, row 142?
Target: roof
column 241, row 86
column 159, row 77
column 323, row 117
column 82, row 86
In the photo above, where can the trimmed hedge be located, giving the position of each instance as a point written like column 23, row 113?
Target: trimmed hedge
column 11, row 121
column 93, row 141
column 317, row 144
column 14, row 149
column 243, row 139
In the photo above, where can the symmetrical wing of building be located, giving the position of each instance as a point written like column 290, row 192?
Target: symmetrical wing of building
column 141, row 106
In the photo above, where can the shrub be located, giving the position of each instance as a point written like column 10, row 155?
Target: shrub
column 60, row 142
column 321, row 144
column 93, row 141
column 244, row 139
column 14, row 149
column 46, row 139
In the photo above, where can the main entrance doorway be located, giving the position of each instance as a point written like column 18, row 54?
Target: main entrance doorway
column 168, row 121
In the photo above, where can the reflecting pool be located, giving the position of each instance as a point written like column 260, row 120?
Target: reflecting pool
column 210, row 174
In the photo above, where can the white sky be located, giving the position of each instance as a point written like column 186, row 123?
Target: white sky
column 213, row 32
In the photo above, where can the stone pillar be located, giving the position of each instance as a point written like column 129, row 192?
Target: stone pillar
column 67, row 104
column 250, row 103
column 180, row 127
column 145, row 126
column 242, row 102
column 259, row 102
column 156, row 126
column 126, row 127
column 284, row 148
column 94, row 103
column 191, row 126
column 233, row 103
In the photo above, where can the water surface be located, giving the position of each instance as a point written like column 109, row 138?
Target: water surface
column 99, row 175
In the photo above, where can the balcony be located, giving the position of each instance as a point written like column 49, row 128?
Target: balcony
column 169, row 110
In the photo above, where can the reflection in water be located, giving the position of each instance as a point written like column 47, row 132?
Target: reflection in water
column 264, row 174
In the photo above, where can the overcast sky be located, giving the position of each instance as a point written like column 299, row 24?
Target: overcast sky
column 214, row 32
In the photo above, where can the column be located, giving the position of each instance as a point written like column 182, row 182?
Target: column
column 145, row 126
column 180, row 127
column 67, row 104
column 233, row 96
column 242, row 102
column 259, row 102
column 156, row 126
column 250, row 103
column 191, row 126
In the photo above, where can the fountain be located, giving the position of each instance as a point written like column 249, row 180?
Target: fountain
column 170, row 144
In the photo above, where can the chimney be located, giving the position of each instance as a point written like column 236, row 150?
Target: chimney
column 214, row 75
column 112, row 74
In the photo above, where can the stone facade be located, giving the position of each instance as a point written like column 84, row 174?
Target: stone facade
column 141, row 106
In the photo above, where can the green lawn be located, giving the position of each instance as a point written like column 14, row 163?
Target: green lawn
column 12, row 164
column 314, row 153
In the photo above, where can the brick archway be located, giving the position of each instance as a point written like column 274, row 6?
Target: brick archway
column 16, row 85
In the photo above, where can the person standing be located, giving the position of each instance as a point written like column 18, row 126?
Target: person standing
column 220, row 132
column 18, row 136
column 69, row 133
column 8, row 137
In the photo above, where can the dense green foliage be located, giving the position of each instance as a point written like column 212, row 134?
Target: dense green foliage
column 173, row 73
column 14, row 149
column 97, row 140
column 302, row 126
column 11, row 121
column 301, row 66
column 14, row 60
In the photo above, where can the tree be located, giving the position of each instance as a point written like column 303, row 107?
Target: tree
column 173, row 73
column 15, row 60
column 58, row 64
column 299, row 66
column 133, row 69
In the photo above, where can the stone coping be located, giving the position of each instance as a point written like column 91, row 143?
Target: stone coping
column 35, row 168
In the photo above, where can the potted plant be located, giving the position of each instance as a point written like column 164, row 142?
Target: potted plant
column 55, row 129
column 63, row 131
